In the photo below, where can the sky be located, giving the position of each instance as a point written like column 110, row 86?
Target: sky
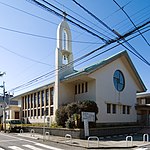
column 28, row 38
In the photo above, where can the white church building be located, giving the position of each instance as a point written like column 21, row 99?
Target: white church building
column 112, row 83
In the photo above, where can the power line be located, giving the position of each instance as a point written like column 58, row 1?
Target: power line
column 113, row 31
column 23, row 56
column 28, row 13
column 45, row 37
column 72, row 22
column 84, row 18
column 31, row 82
column 132, row 22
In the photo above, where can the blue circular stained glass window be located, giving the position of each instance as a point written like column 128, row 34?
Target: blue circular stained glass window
column 119, row 81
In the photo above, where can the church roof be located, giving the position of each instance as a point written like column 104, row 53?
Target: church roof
column 103, row 63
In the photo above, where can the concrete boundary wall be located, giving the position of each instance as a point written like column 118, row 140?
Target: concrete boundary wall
column 79, row 133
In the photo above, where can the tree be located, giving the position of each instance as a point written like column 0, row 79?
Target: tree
column 70, row 115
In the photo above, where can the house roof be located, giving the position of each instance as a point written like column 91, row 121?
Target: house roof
column 103, row 63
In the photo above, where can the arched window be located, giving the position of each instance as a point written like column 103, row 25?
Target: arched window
column 64, row 40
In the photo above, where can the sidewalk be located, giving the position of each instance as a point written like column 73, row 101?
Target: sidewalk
column 91, row 144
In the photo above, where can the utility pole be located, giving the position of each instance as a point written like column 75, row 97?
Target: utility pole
column 4, row 116
column 4, row 107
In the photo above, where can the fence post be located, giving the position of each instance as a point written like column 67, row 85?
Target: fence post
column 145, row 138
column 21, row 130
column 68, row 138
column 131, row 140
column 47, row 134
column 32, row 132
column 93, row 137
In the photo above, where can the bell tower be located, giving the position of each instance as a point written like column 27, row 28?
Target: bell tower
column 63, row 57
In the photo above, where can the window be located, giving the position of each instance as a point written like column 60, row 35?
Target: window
column 51, row 111
column 78, row 88
column 124, row 109
column 31, row 101
column 42, row 111
column 31, row 112
column 25, row 102
column 34, row 100
column 108, row 108
column 47, row 97
column 128, row 109
column 38, row 99
column 114, row 108
column 51, row 95
column 64, row 42
column 47, row 111
column 34, row 112
column 38, row 112
column 42, row 97
column 28, row 102
column 81, row 88
column 25, row 114
column 86, row 86
column 22, row 103
column 119, row 81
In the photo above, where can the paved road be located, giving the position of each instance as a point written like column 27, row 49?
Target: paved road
column 13, row 142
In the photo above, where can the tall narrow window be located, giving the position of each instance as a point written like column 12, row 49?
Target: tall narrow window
column 51, row 111
column 23, row 100
column 78, row 88
column 124, row 109
column 64, row 40
column 51, row 95
column 31, row 101
column 42, row 97
column 114, row 108
column 128, row 109
column 86, row 86
column 38, row 99
column 108, row 108
column 47, row 97
column 82, row 87
column 34, row 100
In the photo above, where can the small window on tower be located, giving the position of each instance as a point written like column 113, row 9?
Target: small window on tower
column 64, row 40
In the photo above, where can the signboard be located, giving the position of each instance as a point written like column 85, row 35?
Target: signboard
column 89, row 116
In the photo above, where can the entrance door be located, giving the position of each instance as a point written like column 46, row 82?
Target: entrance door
column 16, row 115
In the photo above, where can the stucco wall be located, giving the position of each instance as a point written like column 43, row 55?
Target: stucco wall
column 90, row 94
column 106, row 93
column 66, row 93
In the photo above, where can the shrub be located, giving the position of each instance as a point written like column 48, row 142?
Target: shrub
column 70, row 115
column 61, row 116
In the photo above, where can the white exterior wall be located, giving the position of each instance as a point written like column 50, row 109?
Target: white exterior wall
column 66, row 93
column 106, row 93
column 90, row 94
